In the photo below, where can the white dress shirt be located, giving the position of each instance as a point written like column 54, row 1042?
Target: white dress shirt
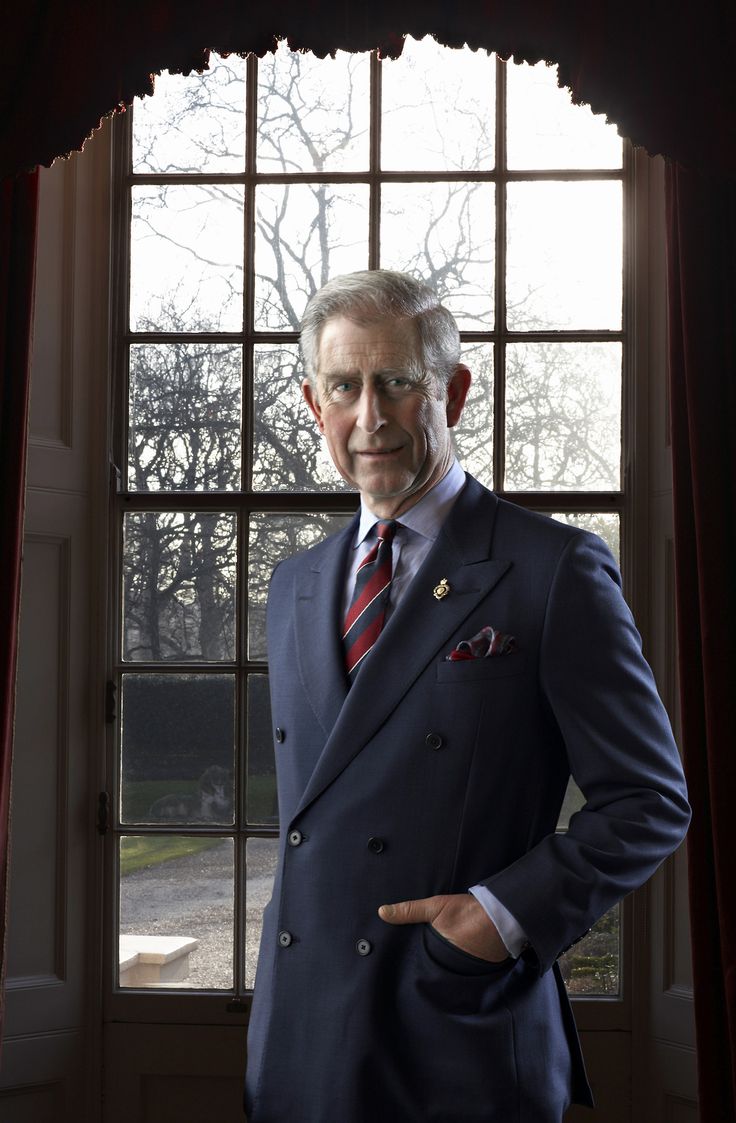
column 416, row 533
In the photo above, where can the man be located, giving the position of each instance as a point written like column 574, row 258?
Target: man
column 407, row 969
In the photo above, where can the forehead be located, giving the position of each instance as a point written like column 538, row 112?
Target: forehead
column 345, row 345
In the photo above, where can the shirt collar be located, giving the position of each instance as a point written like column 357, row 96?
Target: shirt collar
column 427, row 516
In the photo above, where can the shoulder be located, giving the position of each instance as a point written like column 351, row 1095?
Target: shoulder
column 536, row 541
column 314, row 556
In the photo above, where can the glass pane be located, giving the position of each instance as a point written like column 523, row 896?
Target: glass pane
column 563, row 416
column 313, row 114
column 186, row 258
column 176, row 912
column 592, row 966
column 305, row 234
column 437, row 109
column 443, row 233
column 607, row 525
column 261, row 802
column 564, row 256
column 178, row 743
column 574, row 800
column 289, row 452
column 194, row 123
column 544, row 128
column 474, row 432
column 261, row 857
column 271, row 539
column 184, row 416
column 178, row 586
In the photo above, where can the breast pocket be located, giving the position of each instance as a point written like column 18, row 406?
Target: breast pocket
column 473, row 670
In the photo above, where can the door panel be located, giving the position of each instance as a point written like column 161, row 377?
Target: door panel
column 50, row 1059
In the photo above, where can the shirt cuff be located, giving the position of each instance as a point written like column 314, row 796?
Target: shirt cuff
column 509, row 929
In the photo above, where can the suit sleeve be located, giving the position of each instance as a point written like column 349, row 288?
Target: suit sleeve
column 600, row 693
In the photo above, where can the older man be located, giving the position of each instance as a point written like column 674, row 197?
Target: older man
column 438, row 671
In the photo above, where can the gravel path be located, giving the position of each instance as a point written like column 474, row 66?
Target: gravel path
column 193, row 896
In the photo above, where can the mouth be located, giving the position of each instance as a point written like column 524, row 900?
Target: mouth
column 377, row 453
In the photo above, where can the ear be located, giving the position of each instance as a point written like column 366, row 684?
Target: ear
column 457, row 392
column 310, row 397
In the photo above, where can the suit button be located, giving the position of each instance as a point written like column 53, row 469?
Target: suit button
column 376, row 845
column 364, row 947
column 285, row 939
column 295, row 838
column 280, row 735
column 434, row 741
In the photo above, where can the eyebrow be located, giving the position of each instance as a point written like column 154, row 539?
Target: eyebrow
column 339, row 375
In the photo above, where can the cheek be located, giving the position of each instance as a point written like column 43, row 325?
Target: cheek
column 336, row 433
column 433, row 425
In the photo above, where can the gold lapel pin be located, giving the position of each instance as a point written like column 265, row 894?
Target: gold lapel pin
column 441, row 590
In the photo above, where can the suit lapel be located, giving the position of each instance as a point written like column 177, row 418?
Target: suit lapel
column 417, row 632
column 317, row 612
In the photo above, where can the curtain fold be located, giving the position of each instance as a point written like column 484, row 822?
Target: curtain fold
column 18, row 211
column 701, row 217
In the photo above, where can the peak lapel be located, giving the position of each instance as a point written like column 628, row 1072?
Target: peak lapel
column 417, row 631
column 317, row 611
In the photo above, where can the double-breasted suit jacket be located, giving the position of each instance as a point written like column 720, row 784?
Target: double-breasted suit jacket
column 430, row 776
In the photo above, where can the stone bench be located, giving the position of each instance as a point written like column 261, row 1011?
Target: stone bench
column 152, row 961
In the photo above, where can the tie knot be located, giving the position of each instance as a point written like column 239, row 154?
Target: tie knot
column 385, row 531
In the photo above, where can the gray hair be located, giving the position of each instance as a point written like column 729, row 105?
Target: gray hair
column 377, row 294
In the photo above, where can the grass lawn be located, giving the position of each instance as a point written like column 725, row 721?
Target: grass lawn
column 139, row 852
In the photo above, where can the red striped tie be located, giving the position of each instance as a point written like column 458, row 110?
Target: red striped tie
column 364, row 620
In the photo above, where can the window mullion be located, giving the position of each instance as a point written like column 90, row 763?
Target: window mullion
column 499, row 365
column 374, row 203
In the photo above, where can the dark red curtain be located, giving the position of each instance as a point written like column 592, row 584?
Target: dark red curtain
column 665, row 74
column 701, row 216
column 18, row 208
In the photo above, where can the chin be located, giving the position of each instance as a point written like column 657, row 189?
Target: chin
column 386, row 489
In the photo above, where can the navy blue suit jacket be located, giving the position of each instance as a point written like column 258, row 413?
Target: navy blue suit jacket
column 428, row 777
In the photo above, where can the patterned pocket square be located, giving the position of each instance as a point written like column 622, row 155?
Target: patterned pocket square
column 487, row 643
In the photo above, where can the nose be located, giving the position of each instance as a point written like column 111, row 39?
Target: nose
column 370, row 410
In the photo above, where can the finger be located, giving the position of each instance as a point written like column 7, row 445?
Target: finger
column 425, row 909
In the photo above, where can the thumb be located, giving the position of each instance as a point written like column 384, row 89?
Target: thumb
column 411, row 912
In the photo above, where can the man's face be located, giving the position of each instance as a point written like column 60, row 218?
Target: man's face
column 385, row 420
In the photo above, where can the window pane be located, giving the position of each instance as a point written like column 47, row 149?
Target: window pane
column 261, row 803
column 607, row 525
column 184, row 416
column 289, row 452
column 313, row 114
column 444, row 234
column 271, row 539
column 592, row 966
column 178, row 586
column 194, row 123
column 545, row 130
column 261, row 856
column 305, row 234
column 186, row 258
column 564, row 256
column 563, row 416
column 474, row 432
column 177, row 749
column 176, row 912
column 438, row 108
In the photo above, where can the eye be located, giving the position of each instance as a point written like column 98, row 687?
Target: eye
column 340, row 389
column 399, row 384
